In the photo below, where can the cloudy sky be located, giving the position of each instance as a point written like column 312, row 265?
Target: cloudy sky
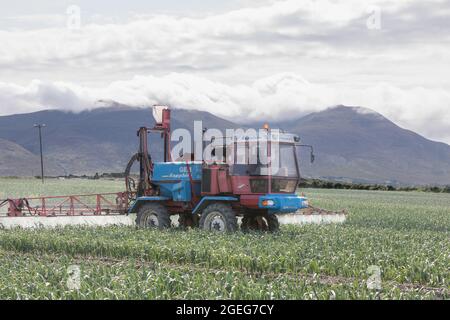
column 240, row 59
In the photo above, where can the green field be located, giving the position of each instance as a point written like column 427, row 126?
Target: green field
column 405, row 235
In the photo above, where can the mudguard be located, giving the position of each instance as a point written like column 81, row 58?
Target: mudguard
column 206, row 200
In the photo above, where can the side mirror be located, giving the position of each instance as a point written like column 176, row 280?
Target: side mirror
column 311, row 148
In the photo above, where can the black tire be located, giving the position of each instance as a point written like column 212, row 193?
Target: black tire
column 153, row 215
column 188, row 220
column 266, row 222
column 218, row 217
column 248, row 223
column 272, row 223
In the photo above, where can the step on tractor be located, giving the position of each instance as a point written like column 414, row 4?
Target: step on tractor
column 216, row 194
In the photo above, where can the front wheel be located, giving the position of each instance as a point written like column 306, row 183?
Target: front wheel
column 218, row 217
column 153, row 215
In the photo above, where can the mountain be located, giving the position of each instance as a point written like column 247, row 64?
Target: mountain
column 358, row 144
column 16, row 160
column 351, row 143
column 99, row 140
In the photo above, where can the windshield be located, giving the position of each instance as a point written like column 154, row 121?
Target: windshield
column 287, row 162
column 283, row 163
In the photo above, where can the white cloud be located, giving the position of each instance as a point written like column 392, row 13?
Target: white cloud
column 241, row 64
column 279, row 97
column 314, row 28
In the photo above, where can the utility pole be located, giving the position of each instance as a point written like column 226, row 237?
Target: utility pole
column 40, row 126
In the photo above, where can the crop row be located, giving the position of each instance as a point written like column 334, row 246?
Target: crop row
column 421, row 257
column 26, row 276
column 407, row 235
column 404, row 211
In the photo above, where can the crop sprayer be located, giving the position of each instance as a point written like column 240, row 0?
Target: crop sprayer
column 215, row 195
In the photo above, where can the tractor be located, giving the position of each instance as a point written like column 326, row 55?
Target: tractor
column 213, row 195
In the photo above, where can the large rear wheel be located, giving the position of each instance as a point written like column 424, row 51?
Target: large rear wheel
column 218, row 217
column 153, row 215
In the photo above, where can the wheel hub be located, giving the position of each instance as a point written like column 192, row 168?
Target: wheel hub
column 217, row 223
column 152, row 221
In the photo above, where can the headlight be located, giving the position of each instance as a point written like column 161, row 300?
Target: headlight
column 268, row 203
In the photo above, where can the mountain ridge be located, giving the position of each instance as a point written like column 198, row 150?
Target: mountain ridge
column 351, row 143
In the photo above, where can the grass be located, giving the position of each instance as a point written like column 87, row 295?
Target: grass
column 405, row 234
column 29, row 187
